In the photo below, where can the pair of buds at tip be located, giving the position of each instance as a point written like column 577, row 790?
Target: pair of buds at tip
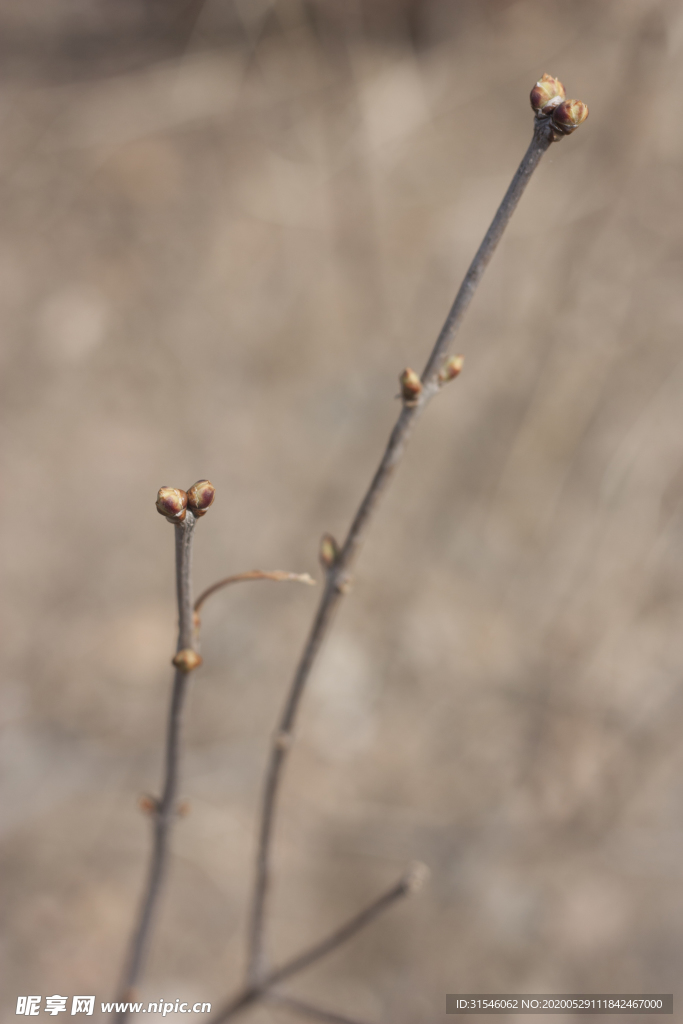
column 150, row 805
column 187, row 660
column 415, row 877
column 548, row 100
column 174, row 503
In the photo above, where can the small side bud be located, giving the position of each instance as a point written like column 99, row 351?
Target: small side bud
column 415, row 877
column 148, row 805
column 329, row 551
column 569, row 115
column 411, row 386
column 451, row 369
column 187, row 660
column 183, row 808
column 548, row 90
column 172, row 503
column 200, row 496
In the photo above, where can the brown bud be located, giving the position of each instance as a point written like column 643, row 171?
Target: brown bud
column 329, row 551
column 569, row 115
column 187, row 660
column 183, row 808
column 547, row 90
column 172, row 502
column 148, row 804
column 411, row 386
column 200, row 496
column 451, row 369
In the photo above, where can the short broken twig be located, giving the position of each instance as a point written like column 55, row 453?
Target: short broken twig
column 409, row 883
column 255, row 574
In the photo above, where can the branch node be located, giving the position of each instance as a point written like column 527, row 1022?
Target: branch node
column 187, row 660
column 148, row 805
column 344, row 583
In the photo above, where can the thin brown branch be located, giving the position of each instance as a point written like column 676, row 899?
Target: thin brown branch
column 338, row 574
column 255, row 574
column 408, row 884
column 164, row 810
column 308, row 1009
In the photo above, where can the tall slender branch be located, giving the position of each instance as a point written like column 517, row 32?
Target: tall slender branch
column 164, row 809
column 338, row 572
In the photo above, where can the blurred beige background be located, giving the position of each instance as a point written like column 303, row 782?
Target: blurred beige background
column 225, row 232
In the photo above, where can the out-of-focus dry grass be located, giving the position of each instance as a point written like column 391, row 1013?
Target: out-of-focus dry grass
column 217, row 264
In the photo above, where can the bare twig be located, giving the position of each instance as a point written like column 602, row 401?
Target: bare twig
column 414, row 402
column 409, row 883
column 308, row 1009
column 164, row 810
column 255, row 574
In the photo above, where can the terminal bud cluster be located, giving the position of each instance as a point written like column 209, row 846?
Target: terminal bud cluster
column 548, row 101
column 173, row 503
